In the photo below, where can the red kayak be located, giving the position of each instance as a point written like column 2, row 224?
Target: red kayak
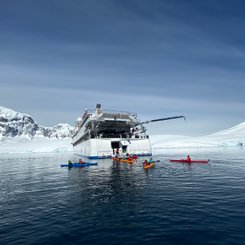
column 189, row 161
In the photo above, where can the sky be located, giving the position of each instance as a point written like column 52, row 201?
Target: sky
column 156, row 58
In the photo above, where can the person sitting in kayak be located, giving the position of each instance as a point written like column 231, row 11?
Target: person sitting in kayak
column 69, row 163
column 146, row 162
column 129, row 157
column 188, row 158
column 81, row 161
column 151, row 161
column 135, row 156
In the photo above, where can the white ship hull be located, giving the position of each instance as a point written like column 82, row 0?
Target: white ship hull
column 103, row 148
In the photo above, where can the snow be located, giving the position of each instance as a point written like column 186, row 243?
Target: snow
column 20, row 125
column 19, row 133
column 37, row 145
column 9, row 114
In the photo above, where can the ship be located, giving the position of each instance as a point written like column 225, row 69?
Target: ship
column 102, row 134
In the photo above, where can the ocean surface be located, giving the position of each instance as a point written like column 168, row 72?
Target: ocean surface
column 118, row 203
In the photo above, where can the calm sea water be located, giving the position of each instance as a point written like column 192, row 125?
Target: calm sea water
column 112, row 203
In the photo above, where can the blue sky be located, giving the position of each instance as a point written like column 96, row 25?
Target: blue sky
column 156, row 58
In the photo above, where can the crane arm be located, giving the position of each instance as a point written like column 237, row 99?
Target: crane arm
column 160, row 119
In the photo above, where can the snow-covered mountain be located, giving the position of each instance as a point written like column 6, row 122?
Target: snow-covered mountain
column 16, row 124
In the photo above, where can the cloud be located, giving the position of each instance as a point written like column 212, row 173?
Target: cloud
column 152, row 57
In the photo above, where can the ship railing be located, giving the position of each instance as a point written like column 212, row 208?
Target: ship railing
column 138, row 152
column 100, row 136
column 91, row 111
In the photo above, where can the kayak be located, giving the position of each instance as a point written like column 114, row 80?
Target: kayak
column 127, row 161
column 146, row 166
column 189, row 161
column 79, row 164
column 122, row 160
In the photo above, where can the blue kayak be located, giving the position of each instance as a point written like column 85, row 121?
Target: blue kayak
column 86, row 164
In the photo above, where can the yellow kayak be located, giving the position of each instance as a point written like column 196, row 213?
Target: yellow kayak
column 150, row 165
column 127, row 160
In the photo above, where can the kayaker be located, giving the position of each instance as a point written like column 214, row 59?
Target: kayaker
column 146, row 162
column 135, row 156
column 129, row 157
column 69, row 163
column 81, row 161
column 188, row 158
column 150, row 161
